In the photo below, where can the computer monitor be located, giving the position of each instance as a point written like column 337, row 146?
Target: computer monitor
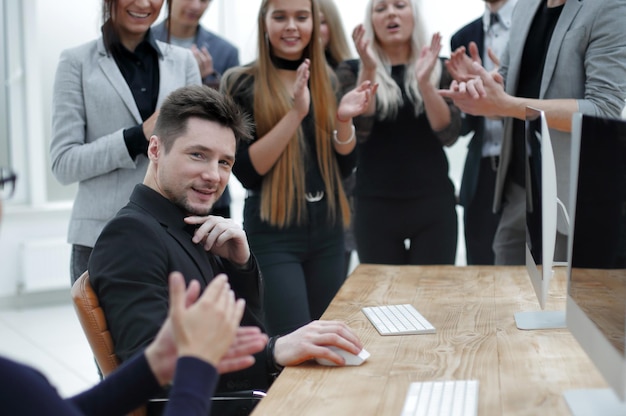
column 596, row 298
column 541, row 220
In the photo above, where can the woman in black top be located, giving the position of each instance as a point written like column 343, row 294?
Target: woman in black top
column 296, row 209
column 403, row 192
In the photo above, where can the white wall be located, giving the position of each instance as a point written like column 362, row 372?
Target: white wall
column 46, row 28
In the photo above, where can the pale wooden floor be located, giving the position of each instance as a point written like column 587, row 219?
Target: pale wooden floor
column 51, row 340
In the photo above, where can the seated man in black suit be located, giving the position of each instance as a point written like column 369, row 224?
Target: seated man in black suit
column 188, row 349
column 166, row 227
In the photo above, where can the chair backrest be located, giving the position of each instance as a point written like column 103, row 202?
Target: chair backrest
column 94, row 324
column 91, row 317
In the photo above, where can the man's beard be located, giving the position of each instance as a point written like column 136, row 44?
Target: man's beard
column 183, row 204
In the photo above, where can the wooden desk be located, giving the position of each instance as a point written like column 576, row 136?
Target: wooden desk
column 520, row 372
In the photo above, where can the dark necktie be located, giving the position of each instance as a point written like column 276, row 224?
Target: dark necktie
column 493, row 19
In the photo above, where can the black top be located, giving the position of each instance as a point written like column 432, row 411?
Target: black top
column 332, row 62
column 140, row 69
column 531, row 72
column 401, row 157
column 243, row 94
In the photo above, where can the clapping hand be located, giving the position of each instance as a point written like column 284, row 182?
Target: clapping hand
column 204, row 60
column 364, row 48
column 356, row 101
column 461, row 67
column 460, row 64
column 482, row 95
column 205, row 327
column 427, row 60
column 301, row 93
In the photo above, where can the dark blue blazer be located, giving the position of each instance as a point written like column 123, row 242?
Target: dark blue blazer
column 25, row 391
column 225, row 54
column 471, row 32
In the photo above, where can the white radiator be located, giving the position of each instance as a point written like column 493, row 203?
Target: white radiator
column 45, row 265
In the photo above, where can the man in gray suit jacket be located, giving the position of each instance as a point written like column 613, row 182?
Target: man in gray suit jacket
column 214, row 55
column 564, row 56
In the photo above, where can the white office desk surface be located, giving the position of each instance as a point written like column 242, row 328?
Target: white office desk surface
column 472, row 308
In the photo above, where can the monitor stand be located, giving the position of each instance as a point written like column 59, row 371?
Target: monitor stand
column 592, row 402
column 540, row 320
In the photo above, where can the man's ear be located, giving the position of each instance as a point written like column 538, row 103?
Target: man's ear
column 154, row 148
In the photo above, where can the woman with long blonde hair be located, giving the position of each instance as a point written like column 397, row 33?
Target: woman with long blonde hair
column 296, row 209
column 332, row 34
column 402, row 169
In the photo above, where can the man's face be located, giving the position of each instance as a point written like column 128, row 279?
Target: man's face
column 195, row 171
column 189, row 12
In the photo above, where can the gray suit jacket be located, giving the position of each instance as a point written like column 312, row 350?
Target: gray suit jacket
column 91, row 106
column 586, row 61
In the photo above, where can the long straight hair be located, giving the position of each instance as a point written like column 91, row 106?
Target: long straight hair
column 283, row 200
column 337, row 47
column 388, row 96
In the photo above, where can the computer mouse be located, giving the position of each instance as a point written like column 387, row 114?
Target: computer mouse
column 350, row 358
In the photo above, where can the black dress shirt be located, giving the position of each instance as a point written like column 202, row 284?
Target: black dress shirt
column 140, row 69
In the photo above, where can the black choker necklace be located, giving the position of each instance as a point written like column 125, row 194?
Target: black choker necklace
column 287, row 64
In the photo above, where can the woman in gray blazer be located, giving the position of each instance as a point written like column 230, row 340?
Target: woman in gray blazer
column 105, row 102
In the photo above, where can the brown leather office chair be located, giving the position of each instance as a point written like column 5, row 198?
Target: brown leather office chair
column 91, row 317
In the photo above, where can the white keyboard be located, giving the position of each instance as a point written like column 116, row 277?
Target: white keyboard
column 398, row 320
column 442, row 398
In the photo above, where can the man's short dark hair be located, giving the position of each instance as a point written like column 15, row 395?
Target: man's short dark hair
column 201, row 102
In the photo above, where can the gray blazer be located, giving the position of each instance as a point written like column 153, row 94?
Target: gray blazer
column 586, row 61
column 91, row 106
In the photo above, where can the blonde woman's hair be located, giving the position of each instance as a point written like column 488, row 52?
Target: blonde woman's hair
column 283, row 190
column 338, row 44
column 388, row 95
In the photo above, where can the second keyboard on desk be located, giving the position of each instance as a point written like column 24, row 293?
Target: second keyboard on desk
column 398, row 320
column 442, row 398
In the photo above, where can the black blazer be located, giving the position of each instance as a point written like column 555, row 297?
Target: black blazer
column 471, row 32
column 129, row 268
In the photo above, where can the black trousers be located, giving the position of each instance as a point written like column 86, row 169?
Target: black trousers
column 478, row 217
column 382, row 227
column 79, row 261
column 302, row 266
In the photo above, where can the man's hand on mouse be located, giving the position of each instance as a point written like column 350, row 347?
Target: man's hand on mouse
column 311, row 341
